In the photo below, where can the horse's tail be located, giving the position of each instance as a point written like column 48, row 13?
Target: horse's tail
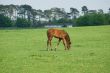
column 48, row 32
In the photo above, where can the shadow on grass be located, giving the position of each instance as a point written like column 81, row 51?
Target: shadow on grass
column 43, row 50
column 78, row 45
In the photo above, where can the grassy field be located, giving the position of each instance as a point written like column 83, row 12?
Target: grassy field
column 24, row 51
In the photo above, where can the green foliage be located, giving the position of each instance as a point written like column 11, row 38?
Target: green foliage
column 63, row 20
column 20, row 22
column 107, row 19
column 29, row 17
column 92, row 19
column 82, row 21
column 24, row 51
column 5, row 21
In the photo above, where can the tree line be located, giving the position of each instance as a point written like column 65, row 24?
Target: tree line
column 26, row 16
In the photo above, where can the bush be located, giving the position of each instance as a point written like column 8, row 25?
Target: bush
column 91, row 20
column 107, row 19
column 20, row 22
column 5, row 21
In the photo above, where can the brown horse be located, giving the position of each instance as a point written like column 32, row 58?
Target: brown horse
column 59, row 34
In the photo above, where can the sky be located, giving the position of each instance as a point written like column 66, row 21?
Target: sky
column 66, row 4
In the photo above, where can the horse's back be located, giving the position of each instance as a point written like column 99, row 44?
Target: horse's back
column 56, row 32
column 53, row 30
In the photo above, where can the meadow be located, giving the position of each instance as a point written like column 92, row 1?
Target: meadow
column 24, row 51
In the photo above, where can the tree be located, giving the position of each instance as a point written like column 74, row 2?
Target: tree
column 5, row 21
column 74, row 13
column 27, row 11
column 34, row 13
column 2, row 9
column 39, row 14
column 85, row 10
column 21, row 12
column 109, row 10
column 10, row 10
column 107, row 18
column 48, row 15
column 20, row 22
column 100, row 11
column 91, row 20
column 82, row 20
column 7, row 10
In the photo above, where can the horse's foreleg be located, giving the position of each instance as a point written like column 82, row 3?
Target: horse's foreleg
column 65, row 44
column 50, row 44
column 57, row 44
column 47, row 45
column 50, row 39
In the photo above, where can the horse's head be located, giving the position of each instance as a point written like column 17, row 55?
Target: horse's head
column 68, row 41
column 69, row 45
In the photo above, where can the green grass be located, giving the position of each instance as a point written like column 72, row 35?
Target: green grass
column 24, row 51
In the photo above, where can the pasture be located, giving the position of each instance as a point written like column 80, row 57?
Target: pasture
column 24, row 51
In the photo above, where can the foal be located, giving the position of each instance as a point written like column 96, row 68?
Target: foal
column 59, row 34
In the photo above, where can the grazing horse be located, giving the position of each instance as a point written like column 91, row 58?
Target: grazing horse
column 59, row 34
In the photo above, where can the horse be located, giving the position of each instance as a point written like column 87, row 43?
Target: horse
column 60, row 35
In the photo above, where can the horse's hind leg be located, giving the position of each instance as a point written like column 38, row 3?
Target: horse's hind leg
column 50, row 43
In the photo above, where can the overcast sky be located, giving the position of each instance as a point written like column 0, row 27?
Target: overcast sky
column 66, row 4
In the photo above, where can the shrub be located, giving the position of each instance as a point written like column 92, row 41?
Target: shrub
column 90, row 20
column 5, row 21
column 21, row 22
